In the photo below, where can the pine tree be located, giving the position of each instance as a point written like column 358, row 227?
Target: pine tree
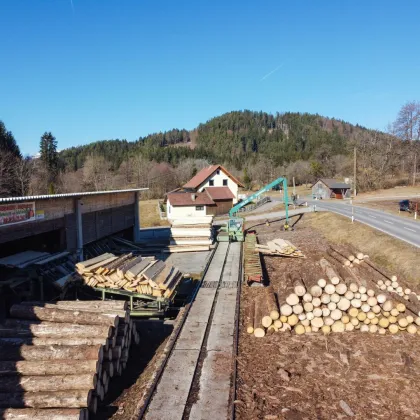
column 8, row 142
column 48, row 152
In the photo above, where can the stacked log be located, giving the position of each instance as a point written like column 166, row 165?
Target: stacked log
column 191, row 234
column 330, row 306
column 279, row 247
column 137, row 274
column 57, row 359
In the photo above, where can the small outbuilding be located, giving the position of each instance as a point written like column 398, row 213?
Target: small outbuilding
column 326, row 188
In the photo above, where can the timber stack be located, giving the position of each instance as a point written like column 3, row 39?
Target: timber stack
column 330, row 305
column 145, row 275
column 57, row 359
column 191, row 234
column 279, row 247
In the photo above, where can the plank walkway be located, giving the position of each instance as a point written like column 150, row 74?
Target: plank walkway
column 172, row 392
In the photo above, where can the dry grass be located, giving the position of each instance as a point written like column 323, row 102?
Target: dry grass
column 402, row 192
column 393, row 254
column 149, row 214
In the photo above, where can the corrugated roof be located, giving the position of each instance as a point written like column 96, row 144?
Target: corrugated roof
column 220, row 193
column 67, row 195
column 186, row 199
column 333, row 183
column 205, row 173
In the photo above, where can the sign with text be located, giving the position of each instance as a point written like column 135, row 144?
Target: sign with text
column 11, row 214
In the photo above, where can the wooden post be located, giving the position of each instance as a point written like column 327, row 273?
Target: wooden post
column 355, row 170
column 79, row 229
column 414, row 169
column 136, row 233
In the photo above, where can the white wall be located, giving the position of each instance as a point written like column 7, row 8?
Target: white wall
column 218, row 182
column 184, row 211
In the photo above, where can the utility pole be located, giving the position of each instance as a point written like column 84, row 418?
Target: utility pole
column 414, row 169
column 294, row 186
column 355, row 169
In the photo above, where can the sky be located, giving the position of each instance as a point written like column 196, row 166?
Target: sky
column 90, row 70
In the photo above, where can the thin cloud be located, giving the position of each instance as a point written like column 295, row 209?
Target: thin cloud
column 72, row 5
column 271, row 72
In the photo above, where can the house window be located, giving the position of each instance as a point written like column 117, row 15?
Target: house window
column 211, row 183
column 225, row 182
column 198, row 208
column 218, row 172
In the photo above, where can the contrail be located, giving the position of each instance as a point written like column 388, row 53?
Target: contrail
column 271, row 72
column 72, row 5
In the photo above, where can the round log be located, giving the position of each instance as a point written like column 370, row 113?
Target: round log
column 108, row 367
column 249, row 319
column 273, row 309
column 62, row 341
column 10, row 352
column 292, row 299
column 259, row 330
column 44, row 414
column 60, row 399
column 21, row 328
column 96, row 304
column 38, row 313
column 48, row 383
column 49, row 367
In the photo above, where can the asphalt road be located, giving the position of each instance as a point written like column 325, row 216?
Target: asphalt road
column 396, row 226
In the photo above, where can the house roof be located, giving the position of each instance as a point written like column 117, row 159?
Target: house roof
column 66, row 195
column 179, row 199
column 220, row 193
column 333, row 183
column 205, row 173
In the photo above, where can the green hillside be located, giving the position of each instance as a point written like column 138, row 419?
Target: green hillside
column 235, row 138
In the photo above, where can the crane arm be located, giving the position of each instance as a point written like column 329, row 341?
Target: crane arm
column 267, row 187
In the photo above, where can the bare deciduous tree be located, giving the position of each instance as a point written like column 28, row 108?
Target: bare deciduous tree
column 97, row 173
column 407, row 125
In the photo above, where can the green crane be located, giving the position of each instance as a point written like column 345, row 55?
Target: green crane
column 235, row 226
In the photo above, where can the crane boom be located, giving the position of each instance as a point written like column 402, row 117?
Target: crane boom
column 267, row 187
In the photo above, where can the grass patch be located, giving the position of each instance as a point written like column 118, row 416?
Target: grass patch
column 393, row 254
column 149, row 214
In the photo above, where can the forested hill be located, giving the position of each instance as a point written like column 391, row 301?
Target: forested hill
column 234, row 138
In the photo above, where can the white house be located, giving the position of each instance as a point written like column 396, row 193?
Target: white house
column 214, row 176
column 210, row 202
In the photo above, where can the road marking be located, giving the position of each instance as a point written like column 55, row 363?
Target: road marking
column 373, row 217
column 390, row 223
column 412, row 230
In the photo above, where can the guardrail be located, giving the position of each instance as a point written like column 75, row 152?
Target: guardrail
column 252, row 207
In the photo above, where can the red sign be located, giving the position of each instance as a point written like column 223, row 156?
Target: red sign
column 16, row 213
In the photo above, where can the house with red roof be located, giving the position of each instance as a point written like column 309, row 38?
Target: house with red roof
column 214, row 176
column 212, row 191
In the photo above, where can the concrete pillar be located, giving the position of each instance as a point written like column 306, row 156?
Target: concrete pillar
column 79, row 229
column 136, row 233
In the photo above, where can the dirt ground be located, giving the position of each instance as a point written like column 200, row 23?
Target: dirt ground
column 353, row 374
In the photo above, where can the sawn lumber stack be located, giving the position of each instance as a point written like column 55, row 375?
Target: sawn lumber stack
column 145, row 275
column 191, row 234
column 279, row 247
column 57, row 360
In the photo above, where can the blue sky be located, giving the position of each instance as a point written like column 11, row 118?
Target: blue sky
column 99, row 69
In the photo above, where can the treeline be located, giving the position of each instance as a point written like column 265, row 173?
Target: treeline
column 256, row 146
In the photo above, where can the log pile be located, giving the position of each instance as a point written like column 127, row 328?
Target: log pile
column 279, row 247
column 57, row 360
column 137, row 274
column 328, row 306
column 191, row 234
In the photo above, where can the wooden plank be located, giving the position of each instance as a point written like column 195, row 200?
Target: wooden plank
column 92, row 261
column 163, row 275
column 154, row 270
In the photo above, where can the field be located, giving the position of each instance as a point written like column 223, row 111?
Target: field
column 149, row 214
column 396, row 192
column 368, row 376
column 388, row 206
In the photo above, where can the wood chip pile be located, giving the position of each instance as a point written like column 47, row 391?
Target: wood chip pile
column 279, row 247
column 145, row 275
column 330, row 305
column 191, row 234
column 57, row 360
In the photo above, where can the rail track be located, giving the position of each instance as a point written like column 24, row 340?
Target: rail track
column 196, row 381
